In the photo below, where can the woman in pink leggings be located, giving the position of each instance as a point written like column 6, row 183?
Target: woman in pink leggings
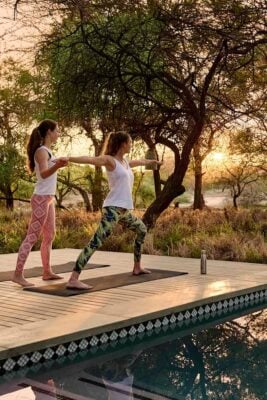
column 44, row 164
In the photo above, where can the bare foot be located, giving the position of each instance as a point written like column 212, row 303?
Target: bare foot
column 141, row 271
column 50, row 276
column 76, row 284
column 20, row 280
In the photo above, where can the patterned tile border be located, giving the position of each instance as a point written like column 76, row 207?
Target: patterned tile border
column 114, row 337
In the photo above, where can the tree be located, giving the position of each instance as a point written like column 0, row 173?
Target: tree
column 237, row 178
column 202, row 148
column 75, row 180
column 251, row 143
column 17, row 106
column 11, row 171
column 246, row 162
column 143, row 67
column 18, row 102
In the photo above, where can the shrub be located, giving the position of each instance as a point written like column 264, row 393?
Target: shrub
column 225, row 234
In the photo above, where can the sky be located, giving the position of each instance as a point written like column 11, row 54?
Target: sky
column 17, row 37
column 18, row 42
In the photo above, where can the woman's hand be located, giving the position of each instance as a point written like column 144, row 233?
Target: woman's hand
column 61, row 162
column 156, row 162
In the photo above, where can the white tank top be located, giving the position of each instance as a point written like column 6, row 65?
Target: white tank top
column 45, row 186
column 120, row 182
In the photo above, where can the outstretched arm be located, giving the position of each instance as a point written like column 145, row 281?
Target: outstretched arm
column 141, row 162
column 100, row 161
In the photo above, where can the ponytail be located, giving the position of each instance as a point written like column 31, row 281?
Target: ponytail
column 34, row 143
column 115, row 141
column 37, row 139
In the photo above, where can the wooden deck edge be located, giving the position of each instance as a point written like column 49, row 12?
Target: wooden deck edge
column 31, row 353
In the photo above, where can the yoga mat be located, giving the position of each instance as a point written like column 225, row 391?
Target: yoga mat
column 38, row 271
column 104, row 282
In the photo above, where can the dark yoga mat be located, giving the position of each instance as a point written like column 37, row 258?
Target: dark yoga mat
column 38, row 271
column 104, row 282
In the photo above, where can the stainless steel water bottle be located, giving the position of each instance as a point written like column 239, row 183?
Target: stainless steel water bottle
column 203, row 262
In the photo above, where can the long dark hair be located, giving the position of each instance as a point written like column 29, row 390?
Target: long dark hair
column 115, row 141
column 37, row 139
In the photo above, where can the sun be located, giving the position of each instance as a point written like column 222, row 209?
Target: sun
column 218, row 156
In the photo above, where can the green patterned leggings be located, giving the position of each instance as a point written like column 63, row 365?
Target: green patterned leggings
column 111, row 216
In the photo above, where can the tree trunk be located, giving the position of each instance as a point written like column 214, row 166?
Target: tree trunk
column 97, row 192
column 86, row 200
column 199, row 202
column 135, row 193
column 174, row 184
column 157, row 182
column 98, row 143
column 235, row 197
column 153, row 154
column 9, row 199
column 172, row 189
column 82, row 192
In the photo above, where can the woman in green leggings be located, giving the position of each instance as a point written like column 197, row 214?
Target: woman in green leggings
column 117, row 205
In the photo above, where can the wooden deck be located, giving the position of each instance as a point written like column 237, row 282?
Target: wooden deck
column 30, row 320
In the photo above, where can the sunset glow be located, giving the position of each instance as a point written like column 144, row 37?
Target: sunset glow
column 218, row 156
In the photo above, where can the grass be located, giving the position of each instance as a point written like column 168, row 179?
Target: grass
column 225, row 234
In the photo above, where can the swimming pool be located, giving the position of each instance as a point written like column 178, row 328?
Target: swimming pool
column 220, row 358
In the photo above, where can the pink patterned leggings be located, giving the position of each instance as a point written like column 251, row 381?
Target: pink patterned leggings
column 42, row 221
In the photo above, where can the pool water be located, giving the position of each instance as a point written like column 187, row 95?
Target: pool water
column 223, row 360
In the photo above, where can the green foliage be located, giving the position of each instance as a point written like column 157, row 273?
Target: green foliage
column 18, row 101
column 25, row 189
column 11, row 169
column 143, row 190
column 118, row 60
column 83, row 64
column 163, row 71
column 146, row 195
column 80, row 175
